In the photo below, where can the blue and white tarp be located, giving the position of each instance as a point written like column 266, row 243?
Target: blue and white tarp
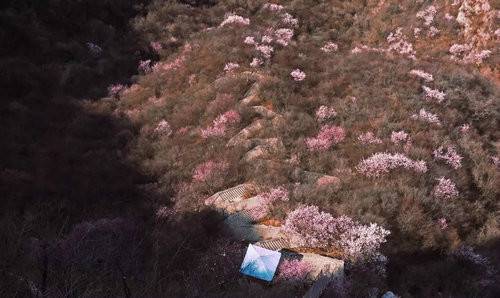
column 260, row 263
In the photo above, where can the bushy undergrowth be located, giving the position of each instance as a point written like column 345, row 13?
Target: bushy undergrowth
column 367, row 93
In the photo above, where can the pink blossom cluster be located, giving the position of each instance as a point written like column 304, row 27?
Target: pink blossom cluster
column 398, row 137
column 328, row 136
column 235, row 19
column 443, row 223
column 156, row 46
column 256, row 62
column 433, row 31
column 327, row 180
column 249, row 40
column 298, row 75
column 177, row 63
column 362, row 242
column 365, row 48
column 221, row 124
column 425, row 116
column 144, row 66
column 163, row 128
column 309, row 227
column 399, row 44
column 445, row 189
column 369, row 138
column 266, row 200
column 205, row 170
column 382, row 163
column 275, row 194
column 229, row 67
column 467, row 54
column 293, row 270
column 283, row 36
column 330, row 47
column 449, row 155
column 266, row 39
column 288, row 19
column 114, row 90
column 448, row 17
column 434, row 94
column 427, row 14
column 422, row 74
column 416, row 32
column 324, row 113
column 265, row 50
column 464, row 128
column 273, row 7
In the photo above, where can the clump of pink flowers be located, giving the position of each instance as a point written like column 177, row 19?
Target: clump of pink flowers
column 283, row 36
column 235, row 19
column 467, row 54
column 369, row 138
column 434, row 94
column 298, row 75
column 144, row 66
column 274, row 194
column 449, row 155
column 362, row 242
column 156, row 46
column 308, row 226
column 330, row 47
column 288, row 19
column 328, row 136
column 229, row 67
column 256, row 62
column 273, row 7
column 464, row 128
column 445, row 189
column 443, row 223
column 399, row 44
column 249, row 40
column 324, row 113
column 422, row 74
column 427, row 15
column 206, row 170
column 265, row 50
column 221, row 124
column 382, row 163
column 175, row 64
column 398, row 137
column 327, row 180
column 293, row 270
column 163, row 128
column 114, row 90
column 425, row 116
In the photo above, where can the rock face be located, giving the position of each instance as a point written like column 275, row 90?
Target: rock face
column 240, row 226
column 323, row 266
column 226, row 200
column 264, row 149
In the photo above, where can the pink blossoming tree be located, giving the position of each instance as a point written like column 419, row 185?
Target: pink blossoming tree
column 382, row 163
column 328, row 136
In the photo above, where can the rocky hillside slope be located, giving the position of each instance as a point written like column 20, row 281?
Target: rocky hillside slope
column 368, row 129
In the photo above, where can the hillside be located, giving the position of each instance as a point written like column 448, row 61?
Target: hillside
column 368, row 131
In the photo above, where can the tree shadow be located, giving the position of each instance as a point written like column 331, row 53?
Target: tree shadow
column 62, row 164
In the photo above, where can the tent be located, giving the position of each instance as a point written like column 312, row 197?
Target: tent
column 260, row 263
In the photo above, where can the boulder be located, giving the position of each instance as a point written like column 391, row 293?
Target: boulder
column 322, row 265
